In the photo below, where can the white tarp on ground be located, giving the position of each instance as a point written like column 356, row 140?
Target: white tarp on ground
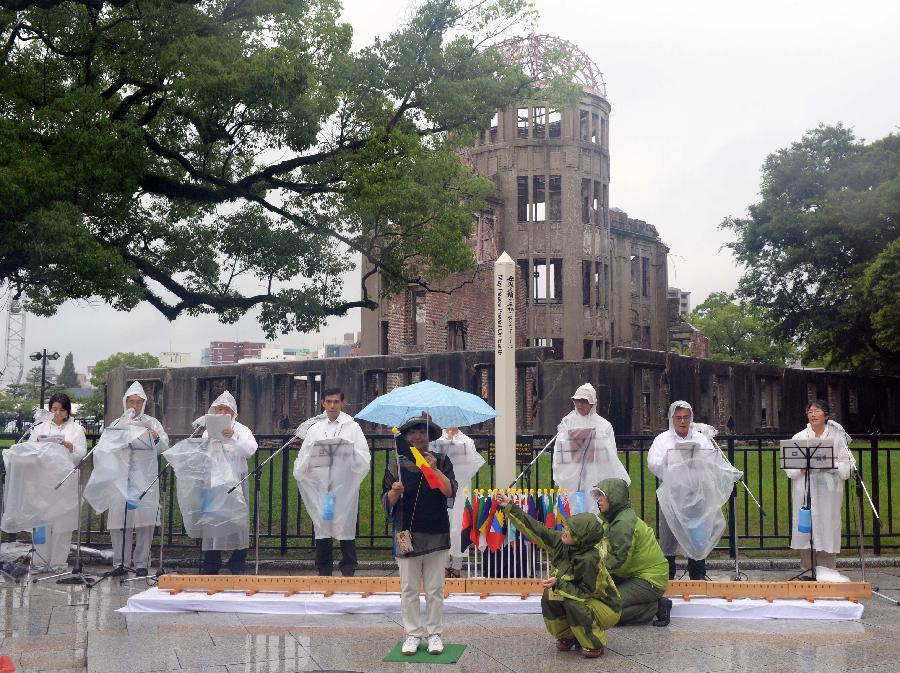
column 155, row 600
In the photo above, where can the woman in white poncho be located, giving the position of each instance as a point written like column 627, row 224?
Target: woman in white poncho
column 240, row 445
column 460, row 449
column 142, row 469
column 826, row 493
column 585, row 451
column 53, row 553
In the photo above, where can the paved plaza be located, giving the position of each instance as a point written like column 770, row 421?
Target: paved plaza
column 49, row 627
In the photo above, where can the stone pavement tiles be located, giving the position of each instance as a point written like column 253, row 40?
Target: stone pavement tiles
column 47, row 627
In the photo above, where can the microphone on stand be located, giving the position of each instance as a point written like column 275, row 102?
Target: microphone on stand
column 40, row 416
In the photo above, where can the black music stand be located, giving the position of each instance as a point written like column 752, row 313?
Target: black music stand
column 808, row 454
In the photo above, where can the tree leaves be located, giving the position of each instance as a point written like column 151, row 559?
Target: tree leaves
column 830, row 209
column 737, row 332
column 218, row 156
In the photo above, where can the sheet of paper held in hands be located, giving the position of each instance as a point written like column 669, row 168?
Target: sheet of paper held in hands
column 216, row 424
column 144, row 441
column 57, row 439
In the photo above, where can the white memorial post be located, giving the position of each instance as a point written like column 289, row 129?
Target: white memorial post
column 505, row 369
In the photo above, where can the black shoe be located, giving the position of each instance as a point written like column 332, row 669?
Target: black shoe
column 140, row 572
column 118, row 571
column 663, row 612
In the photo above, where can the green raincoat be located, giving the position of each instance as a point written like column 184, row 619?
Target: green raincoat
column 634, row 558
column 584, row 602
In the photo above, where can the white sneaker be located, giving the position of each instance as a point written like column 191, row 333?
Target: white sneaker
column 435, row 646
column 410, row 645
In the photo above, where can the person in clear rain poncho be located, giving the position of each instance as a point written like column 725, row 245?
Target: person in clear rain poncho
column 239, row 445
column 826, row 489
column 53, row 553
column 142, row 469
column 460, row 449
column 697, row 481
column 585, row 451
column 328, row 474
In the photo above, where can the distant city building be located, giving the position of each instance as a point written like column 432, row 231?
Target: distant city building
column 276, row 353
column 174, row 359
column 337, row 350
column 205, row 357
column 684, row 299
column 230, row 352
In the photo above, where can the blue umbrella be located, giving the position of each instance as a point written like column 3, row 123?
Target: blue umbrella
column 448, row 407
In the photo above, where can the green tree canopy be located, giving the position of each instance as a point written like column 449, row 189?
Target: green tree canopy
column 67, row 376
column 94, row 404
column 18, row 398
column 739, row 332
column 215, row 156
column 820, row 248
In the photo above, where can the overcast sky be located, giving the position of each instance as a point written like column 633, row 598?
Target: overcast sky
column 701, row 92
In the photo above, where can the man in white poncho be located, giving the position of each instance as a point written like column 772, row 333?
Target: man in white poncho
column 328, row 474
column 585, row 451
column 697, row 481
column 239, row 445
column 460, row 449
column 142, row 468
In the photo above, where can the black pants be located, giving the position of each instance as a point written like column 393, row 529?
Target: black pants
column 696, row 568
column 212, row 562
column 325, row 557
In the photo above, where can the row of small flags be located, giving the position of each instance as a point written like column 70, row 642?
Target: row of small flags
column 486, row 527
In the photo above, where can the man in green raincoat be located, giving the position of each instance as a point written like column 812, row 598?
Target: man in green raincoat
column 634, row 557
column 580, row 600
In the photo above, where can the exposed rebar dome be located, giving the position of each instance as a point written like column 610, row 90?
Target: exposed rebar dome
column 532, row 52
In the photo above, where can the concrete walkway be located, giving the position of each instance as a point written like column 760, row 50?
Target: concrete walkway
column 48, row 627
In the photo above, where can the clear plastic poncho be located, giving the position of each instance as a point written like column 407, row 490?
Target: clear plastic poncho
column 330, row 466
column 33, row 469
column 697, row 481
column 204, row 476
column 584, row 455
column 466, row 462
column 108, row 485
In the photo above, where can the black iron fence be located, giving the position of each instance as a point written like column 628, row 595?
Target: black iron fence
column 285, row 528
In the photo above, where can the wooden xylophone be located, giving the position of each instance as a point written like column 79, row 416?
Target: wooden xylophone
column 484, row 587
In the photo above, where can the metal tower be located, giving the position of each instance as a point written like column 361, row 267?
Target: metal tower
column 14, row 365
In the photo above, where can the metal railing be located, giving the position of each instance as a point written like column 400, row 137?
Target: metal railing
column 285, row 527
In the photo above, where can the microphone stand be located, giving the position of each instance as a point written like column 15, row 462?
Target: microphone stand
column 160, row 477
column 860, row 490
column 77, row 575
column 533, row 461
column 257, row 471
column 738, row 575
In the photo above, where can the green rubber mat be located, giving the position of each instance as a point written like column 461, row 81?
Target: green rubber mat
column 450, row 655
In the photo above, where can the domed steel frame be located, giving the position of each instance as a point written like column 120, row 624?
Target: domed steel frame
column 531, row 52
